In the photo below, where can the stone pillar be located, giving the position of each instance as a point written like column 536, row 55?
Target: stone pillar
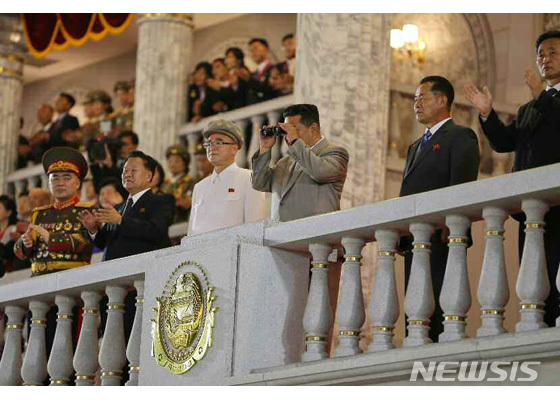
column 86, row 357
column 164, row 46
column 112, row 355
column 34, row 368
column 12, row 46
column 60, row 361
column 133, row 349
column 10, row 363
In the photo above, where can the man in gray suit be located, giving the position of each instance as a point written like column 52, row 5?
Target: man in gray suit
column 309, row 179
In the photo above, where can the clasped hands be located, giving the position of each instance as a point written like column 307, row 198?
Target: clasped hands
column 482, row 100
column 93, row 220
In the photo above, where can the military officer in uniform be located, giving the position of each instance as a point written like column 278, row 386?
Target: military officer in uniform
column 123, row 116
column 56, row 240
column 180, row 184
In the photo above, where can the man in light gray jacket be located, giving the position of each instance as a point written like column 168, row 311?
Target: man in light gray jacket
column 309, row 179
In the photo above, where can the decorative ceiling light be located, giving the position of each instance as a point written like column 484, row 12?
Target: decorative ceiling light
column 406, row 43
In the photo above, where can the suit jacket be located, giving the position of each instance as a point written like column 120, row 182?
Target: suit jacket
column 534, row 135
column 56, row 130
column 144, row 228
column 305, row 182
column 450, row 157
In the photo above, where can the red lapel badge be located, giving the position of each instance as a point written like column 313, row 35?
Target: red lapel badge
column 231, row 190
column 436, row 146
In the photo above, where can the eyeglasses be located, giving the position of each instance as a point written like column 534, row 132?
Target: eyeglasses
column 216, row 143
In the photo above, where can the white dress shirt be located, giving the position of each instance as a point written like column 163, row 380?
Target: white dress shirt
column 224, row 200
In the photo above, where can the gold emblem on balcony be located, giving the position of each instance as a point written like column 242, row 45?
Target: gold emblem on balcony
column 184, row 319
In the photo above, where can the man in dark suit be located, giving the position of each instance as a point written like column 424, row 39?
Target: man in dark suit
column 535, row 138
column 63, row 130
column 258, row 85
column 138, row 225
column 447, row 154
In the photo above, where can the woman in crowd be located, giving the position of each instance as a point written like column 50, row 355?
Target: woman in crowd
column 180, row 184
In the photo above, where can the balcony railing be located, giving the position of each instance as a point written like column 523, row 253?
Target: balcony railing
column 272, row 321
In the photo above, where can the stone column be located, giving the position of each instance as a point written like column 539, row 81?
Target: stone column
column 164, row 46
column 86, row 357
column 10, row 364
column 112, row 355
column 133, row 349
column 60, row 361
column 12, row 46
column 34, row 368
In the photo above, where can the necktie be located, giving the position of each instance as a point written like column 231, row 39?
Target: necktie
column 553, row 92
column 127, row 207
column 425, row 138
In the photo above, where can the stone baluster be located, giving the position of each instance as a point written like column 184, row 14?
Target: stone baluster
column 384, row 306
column 455, row 298
column 419, row 299
column 112, row 356
column 34, row 369
column 1, row 331
column 317, row 316
column 60, row 361
column 87, row 350
column 532, row 286
column 350, row 313
column 257, row 122
column 273, row 119
column 133, row 349
column 10, row 365
column 241, row 158
column 493, row 289
column 19, row 186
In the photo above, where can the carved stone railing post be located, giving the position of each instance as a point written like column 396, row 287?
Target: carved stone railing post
column 242, row 155
column 532, row 286
column 455, row 298
column 419, row 299
column 10, row 365
column 60, row 360
column 493, row 290
column 112, row 356
column 133, row 349
column 87, row 350
column 350, row 314
column 34, row 369
column 317, row 316
column 384, row 306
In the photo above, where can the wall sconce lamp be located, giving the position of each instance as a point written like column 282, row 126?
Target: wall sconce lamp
column 406, row 42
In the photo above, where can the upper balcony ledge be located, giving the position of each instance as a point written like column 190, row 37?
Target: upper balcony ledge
column 394, row 366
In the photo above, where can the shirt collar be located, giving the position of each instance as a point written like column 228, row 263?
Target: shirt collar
column 315, row 145
column 557, row 87
column 137, row 196
column 435, row 128
column 263, row 65
column 61, row 116
column 224, row 174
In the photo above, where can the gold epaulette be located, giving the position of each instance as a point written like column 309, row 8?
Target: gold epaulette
column 42, row 208
column 85, row 204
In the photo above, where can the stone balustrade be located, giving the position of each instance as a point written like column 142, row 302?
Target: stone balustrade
column 273, row 321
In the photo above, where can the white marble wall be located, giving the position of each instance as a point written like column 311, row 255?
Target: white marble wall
column 164, row 47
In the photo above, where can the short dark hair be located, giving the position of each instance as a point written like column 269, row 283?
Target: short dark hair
column 206, row 66
column 441, row 85
column 131, row 135
column 262, row 41
column 71, row 100
column 9, row 205
column 112, row 181
column 308, row 113
column 149, row 162
column 161, row 171
column 547, row 35
column 220, row 59
column 122, row 85
column 288, row 36
column 238, row 53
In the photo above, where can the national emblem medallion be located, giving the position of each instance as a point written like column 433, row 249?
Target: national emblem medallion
column 184, row 319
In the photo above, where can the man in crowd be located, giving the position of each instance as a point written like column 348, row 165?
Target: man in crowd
column 447, row 154
column 203, row 166
column 221, row 83
column 288, row 67
column 55, row 239
column 124, row 115
column 201, row 97
column 535, row 138
column 64, row 131
column 309, row 179
column 40, row 137
column 259, row 88
column 225, row 198
column 138, row 225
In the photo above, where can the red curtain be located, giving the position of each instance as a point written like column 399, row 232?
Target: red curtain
column 46, row 32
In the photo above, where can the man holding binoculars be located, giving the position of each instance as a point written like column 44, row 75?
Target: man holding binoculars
column 309, row 179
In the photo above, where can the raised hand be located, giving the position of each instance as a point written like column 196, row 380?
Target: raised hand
column 533, row 81
column 89, row 220
column 480, row 100
column 45, row 235
column 27, row 238
column 266, row 142
column 108, row 214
